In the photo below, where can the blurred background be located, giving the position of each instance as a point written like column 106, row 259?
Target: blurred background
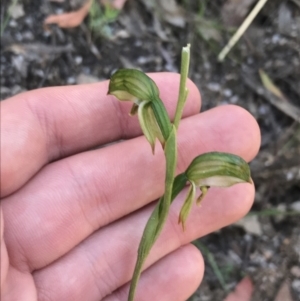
column 69, row 42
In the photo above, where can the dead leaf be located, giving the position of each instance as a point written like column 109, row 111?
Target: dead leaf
column 285, row 19
column 38, row 51
column 269, row 85
column 284, row 293
column 72, row 19
column 242, row 292
column 234, row 11
column 167, row 10
column 285, row 106
column 172, row 13
column 208, row 29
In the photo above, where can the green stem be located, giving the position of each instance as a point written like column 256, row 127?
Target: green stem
column 152, row 227
column 183, row 91
column 159, row 216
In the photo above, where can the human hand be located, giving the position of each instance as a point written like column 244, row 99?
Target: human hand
column 73, row 217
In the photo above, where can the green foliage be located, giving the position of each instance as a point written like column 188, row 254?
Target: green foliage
column 100, row 17
column 213, row 263
column 6, row 18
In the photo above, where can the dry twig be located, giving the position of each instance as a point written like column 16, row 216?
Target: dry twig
column 241, row 29
column 284, row 106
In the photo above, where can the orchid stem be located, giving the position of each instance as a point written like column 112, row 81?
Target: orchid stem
column 183, row 91
column 159, row 216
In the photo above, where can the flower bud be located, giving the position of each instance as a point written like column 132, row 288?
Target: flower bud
column 212, row 169
column 134, row 85
column 218, row 169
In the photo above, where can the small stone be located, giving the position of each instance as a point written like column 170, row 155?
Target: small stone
column 13, row 23
column 248, row 237
column 263, row 109
column 138, row 43
column 250, row 60
column 29, row 20
column 142, row 60
column 268, row 254
column 123, row 34
column 234, row 99
column 236, row 258
column 78, row 60
column 4, row 90
column 18, row 61
column 86, row 79
column 28, row 35
column 296, row 285
column 71, row 80
column 59, row 11
column 40, row 73
column 295, row 271
column 280, row 217
column 207, row 66
column 19, row 37
column 227, row 92
column 289, row 176
column 16, row 11
column 250, row 224
column 282, row 41
column 214, row 87
column 16, row 89
column 296, row 206
column 275, row 38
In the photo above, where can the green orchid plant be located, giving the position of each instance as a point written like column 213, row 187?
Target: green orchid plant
column 205, row 171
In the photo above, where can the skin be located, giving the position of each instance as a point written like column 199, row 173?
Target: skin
column 73, row 213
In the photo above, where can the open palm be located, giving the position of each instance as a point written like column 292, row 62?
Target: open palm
column 73, row 213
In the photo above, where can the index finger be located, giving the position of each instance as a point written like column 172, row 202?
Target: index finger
column 47, row 124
